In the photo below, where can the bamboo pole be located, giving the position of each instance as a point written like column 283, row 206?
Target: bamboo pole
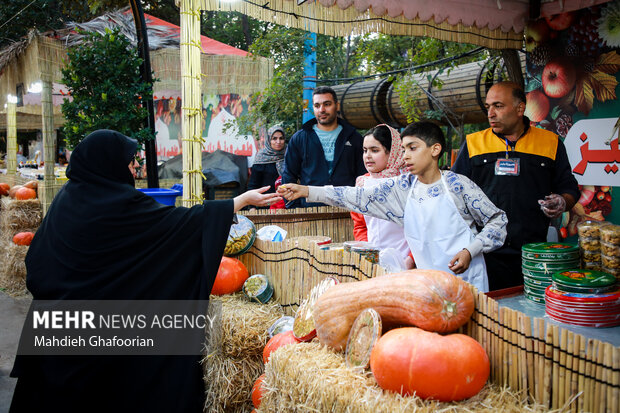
column 559, row 389
column 608, row 375
column 514, row 356
column 574, row 389
column 530, row 357
column 570, row 340
column 49, row 144
column 503, row 317
column 599, row 388
column 191, row 122
column 497, row 343
column 11, row 139
column 615, row 396
column 541, row 352
column 581, row 382
column 589, row 373
column 546, row 400
column 555, row 366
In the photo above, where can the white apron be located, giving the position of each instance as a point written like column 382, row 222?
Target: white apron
column 383, row 233
column 436, row 232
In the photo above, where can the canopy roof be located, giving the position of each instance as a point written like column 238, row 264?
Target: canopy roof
column 496, row 24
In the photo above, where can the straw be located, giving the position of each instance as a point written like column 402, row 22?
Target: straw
column 310, row 378
column 13, row 270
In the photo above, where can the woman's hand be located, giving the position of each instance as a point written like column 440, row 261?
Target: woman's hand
column 293, row 191
column 460, row 262
column 256, row 197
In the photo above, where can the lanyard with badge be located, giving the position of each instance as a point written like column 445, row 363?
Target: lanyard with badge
column 507, row 166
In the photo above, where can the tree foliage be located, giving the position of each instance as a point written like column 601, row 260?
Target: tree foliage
column 103, row 77
column 340, row 60
column 19, row 16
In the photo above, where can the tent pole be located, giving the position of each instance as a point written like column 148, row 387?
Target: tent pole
column 143, row 50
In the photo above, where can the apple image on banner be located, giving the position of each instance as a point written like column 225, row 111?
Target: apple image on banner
column 536, row 33
column 537, row 106
column 561, row 21
column 558, row 78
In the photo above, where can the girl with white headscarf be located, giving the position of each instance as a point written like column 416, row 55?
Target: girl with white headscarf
column 383, row 158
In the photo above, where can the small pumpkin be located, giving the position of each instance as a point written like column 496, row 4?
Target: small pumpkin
column 257, row 391
column 24, row 193
column 32, row 185
column 13, row 190
column 429, row 299
column 277, row 341
column 4, row 188
column 230, row 277
column 446, row 368
column 23, row 238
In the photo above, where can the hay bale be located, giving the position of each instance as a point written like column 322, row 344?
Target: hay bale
column 17, row 216
column 311, row 378
column 234, row 351
column 13, row 269
column 229, row 383
column 243, row 326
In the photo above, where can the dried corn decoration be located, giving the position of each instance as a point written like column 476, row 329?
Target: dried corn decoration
column 191, row 126
column 11, row 138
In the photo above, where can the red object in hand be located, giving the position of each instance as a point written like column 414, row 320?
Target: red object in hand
column 563, row 232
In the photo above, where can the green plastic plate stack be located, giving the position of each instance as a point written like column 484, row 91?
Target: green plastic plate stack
column 540, row 260
column 584, row 281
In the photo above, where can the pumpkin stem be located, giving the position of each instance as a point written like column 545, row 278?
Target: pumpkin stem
column 449, row 308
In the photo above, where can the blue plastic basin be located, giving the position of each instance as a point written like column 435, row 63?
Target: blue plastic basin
column 162, row 195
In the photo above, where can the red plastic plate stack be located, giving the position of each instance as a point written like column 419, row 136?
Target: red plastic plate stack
column 583, row 309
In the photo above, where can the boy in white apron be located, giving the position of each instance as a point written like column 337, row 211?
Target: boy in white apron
column 440, row 211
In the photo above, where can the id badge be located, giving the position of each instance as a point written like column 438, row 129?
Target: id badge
column 509, row 166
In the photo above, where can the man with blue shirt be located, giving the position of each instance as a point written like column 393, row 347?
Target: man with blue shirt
column 326, row 151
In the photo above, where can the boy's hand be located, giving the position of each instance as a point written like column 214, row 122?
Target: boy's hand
column 256, row 197
column 460, row 262
column 293, row 191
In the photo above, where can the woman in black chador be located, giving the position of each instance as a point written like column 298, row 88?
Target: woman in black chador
column 104, row 240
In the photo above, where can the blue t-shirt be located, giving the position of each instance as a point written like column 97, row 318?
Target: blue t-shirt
column 328, row 141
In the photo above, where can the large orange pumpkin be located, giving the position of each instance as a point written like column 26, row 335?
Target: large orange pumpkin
column 446, row 368
column 277, row 341
column 25, row 193
column 230, row 277
column 257, row 391
column 4, row 188
column 23, row 238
